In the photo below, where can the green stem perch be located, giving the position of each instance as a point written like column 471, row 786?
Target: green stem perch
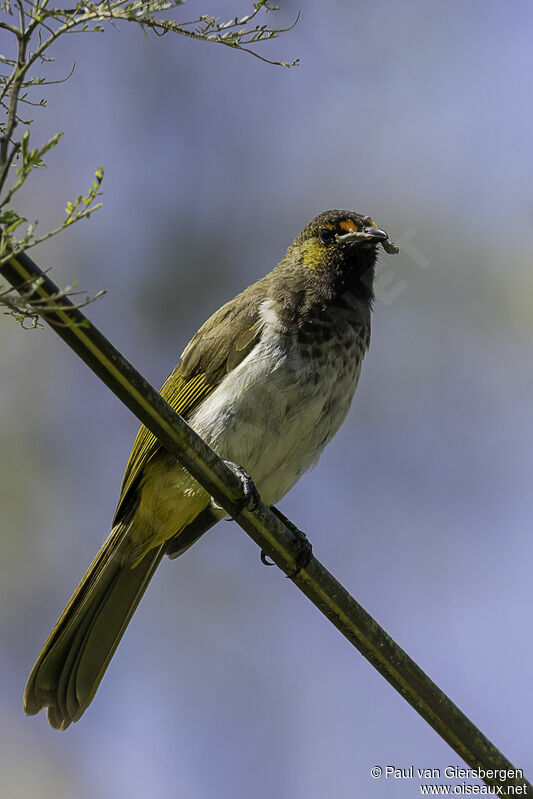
column 278, row 540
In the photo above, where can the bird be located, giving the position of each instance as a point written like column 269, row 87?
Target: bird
column 266, row 382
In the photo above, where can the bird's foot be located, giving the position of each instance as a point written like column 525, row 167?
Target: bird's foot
column 250, row 495
column 304, row 549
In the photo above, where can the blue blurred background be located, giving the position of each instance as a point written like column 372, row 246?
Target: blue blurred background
column 229, row 683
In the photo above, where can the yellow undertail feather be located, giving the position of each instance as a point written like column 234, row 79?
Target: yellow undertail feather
column 170, row 500
column 81, row 645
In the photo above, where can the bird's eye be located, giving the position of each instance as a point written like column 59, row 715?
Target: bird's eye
column 326, row 234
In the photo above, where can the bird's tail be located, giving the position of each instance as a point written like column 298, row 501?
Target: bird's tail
column 74, row 658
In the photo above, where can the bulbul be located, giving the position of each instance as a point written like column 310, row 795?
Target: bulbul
column 266, row 382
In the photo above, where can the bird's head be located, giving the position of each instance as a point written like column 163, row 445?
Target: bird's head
column 340, row 247
column 341, row 236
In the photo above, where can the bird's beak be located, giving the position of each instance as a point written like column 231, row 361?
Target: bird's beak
column 369, row 234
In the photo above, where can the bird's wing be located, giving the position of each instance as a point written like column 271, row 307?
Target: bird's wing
column 219, row 346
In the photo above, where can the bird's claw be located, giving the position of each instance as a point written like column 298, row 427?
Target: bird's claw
column 303, row 547
column 304, row 551
column 264, row 559
column 250, row 495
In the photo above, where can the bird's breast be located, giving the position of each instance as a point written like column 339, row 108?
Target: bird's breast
column 275, row 412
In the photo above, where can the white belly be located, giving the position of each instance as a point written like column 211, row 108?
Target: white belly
column 276, row 411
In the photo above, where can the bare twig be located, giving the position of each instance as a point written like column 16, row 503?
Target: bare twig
column 23, row 305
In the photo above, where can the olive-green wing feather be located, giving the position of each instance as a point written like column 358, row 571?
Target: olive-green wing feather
column 219, row 346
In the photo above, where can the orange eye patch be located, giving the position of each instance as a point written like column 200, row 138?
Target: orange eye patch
column 348, row 225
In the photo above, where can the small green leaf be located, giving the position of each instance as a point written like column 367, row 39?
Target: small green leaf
column 14, row 225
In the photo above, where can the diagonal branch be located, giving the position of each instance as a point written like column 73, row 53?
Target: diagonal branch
column 276, row 536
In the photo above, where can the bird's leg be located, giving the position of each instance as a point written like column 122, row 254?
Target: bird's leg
column 250, row 495
column 249, row 500
column 304, row 549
